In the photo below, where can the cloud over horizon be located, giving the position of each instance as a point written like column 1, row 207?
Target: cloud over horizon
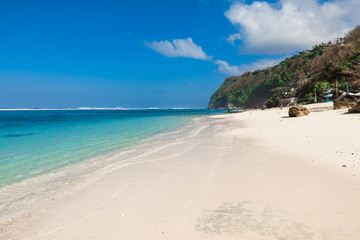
column 224, row 67
column 291, row 25
column 233, row 37
column 179, row 48
column 272, row 28
column 188, row 49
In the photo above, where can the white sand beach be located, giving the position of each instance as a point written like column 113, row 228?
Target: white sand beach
column 252, row 175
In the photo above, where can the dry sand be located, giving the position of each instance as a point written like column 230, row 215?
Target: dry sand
column 253, row 175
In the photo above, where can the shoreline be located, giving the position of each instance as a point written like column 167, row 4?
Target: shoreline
column 20, row 197
column 57, row 139
column 252, row 175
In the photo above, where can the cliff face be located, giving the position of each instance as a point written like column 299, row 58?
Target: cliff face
column 299, row 76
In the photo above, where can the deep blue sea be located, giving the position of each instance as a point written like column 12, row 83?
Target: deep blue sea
column 34, row 142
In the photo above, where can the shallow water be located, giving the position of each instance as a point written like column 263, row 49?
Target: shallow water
column 36, row 142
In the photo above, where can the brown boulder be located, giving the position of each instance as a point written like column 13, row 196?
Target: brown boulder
column 355, row 108
column 298, row 111
column 346, row 102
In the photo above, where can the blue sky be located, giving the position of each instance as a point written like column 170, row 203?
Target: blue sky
column 150, row 53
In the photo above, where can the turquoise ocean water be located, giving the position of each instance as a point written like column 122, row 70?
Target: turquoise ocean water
column 35, row 142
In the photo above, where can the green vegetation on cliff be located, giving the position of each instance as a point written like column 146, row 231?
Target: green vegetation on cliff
column 299, row 76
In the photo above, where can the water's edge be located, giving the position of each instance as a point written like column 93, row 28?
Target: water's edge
column 22, row 197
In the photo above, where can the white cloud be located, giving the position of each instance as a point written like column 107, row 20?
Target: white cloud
column 179, row 48
column 233, row 37
column 261, row 64
column 291, row 25
column 187, row 48
column 224, row 67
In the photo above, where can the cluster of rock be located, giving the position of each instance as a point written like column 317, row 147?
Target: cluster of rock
column 347, row 101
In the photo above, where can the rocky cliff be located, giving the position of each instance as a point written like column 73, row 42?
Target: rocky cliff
column 325, row 66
